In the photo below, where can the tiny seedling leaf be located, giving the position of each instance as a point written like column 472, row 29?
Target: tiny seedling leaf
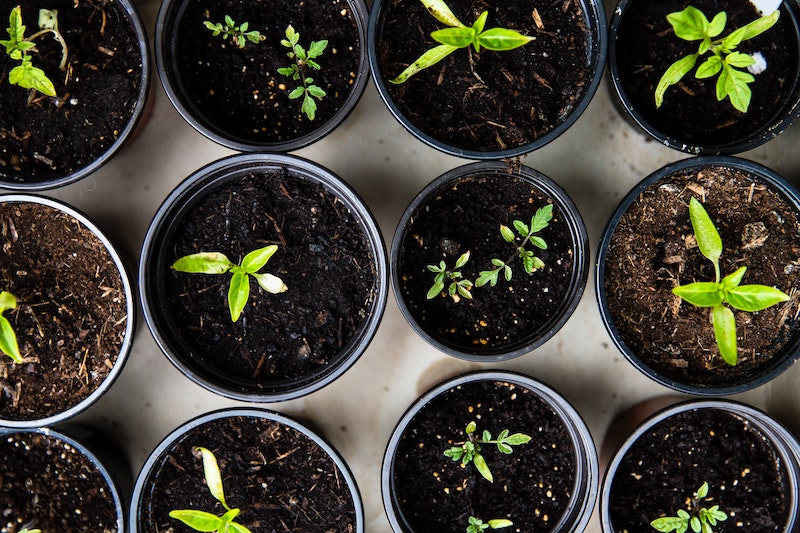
column 507, row 234
column 203, row 263
column 702, row 492
column 256, row 259
column 198, row 520
column 673, row 75
column 482, row 467
column 501, row 39
column 212, row 475
column 238, row 293
column 734, row 279
column 708, row 239
column 725, row 333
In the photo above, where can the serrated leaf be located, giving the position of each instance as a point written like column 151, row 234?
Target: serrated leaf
column 505, row 448
column 725, row 333
column 701, row 294
column 673, row 75
column 527, row 263
column 316, row 48
column 754, row 297
column 29, row 77
column 455, row 453
column 203, row 263
column 316, row 91
column 238, row 294
column 733, row 84
column 518, row 438
column 522, row 228
column 486, row 276
column 287, row 71
column 668, row 524
column 541, row 219
column 740, row 60
column 537, row 263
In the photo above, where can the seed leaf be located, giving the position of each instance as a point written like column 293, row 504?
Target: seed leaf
column 499, row 523
column 725, row 333
column 203, row 263
column 256, row 259
column 482, row 467
column 702, row 492
column 673, row 75
column 198, row 520
column 238, row 293
column 500, row 39
column 701, row 294
column 428, row 59
column 708, row 239
column 458, row 37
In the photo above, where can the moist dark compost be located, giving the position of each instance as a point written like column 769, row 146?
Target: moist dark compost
column 42, row 138
column 532, row 487
column 488, row 101
column 71, row 314
column 647, row 46
column 239, row 91
column 653, row 249
column 466, row 216
column 668, row 463
column 323, row 257
column 278, row 477
column 47, row 484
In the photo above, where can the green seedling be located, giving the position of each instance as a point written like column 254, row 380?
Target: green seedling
column 20, row 48
column 209, row 522
column 26, row 530
column 458, row 286
column 470, row 451
column 476, row 525
column 8, row 339
column 458, row 35
column 723, row 291
column 239, row 290
column 237, row 34
column 700, row 519
column 692, row 25
column 298, row 71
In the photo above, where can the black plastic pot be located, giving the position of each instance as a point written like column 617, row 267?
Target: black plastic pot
column 725, row 385
column 177, row 341
column 572, row 517
column 167, row 50
column 595, row 23
column 777, row 439
column 130, row 305
column 719, row 141
column 538, row 328
column 147, row 495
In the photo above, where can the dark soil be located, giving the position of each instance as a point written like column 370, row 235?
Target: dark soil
column 280, row 479
column 97, row 93
column 488, row 101
column 691, row 113
column 70, row 318
column 239, row 91
column 531, row 487
column 666, row 465
column 323, row 257
column 467, row 217
column 48, row 484
column 653, row 249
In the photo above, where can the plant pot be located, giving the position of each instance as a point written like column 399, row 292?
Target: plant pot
column 75, row 313
column 273, row 468
column 546, row 484
column 50, row 142
column 643, row 46
column 235, row 96
column 749, row 461
column 673, row 342
column 461, row 211
column 330, row 255
column 61, row 480
column 489, row 105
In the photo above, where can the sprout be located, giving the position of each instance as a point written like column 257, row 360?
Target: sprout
column 303, row 60
column 470, row 450
column 701, row 519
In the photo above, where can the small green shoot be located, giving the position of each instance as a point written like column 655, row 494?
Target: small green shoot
column 237, row 34
column 727, row 290
column 476, row 525
column 469, row 451
column 458, row 36
column 239, row 290
column 692, row 25
column 8, row 339
column 303, row 61
column 209, row 522
column 458, row 287
column 26, row 530
column 701, row 519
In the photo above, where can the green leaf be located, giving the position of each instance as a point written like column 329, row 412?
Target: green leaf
column 542, row 218
column 748, row 31
column 487, row 276
column 227, row 518
column 709, row 68
column 521, row 228
column 499, row 523
column 702, row 492
column 506, row 233
column 527, row 264
column 717, row 24
column 309, row 107
column 7, row 301
column 287, row 71
column 233, row 527
column 198, row 520
column 29, row 77
column 740, row 60
column 690, row 24
column 8, row 340
column 733, row 84
column 316, row 48
column 428, row 59
column 505, row 448
column 537, row 263
column 696, row 525
column 673, row 75
column 16, row 30
column 463, row 289
column 471, row 427
column 701, row 294
column 441, row 12
column 462, row 260
column 455, row 453
column 256, row 259
column 499, row 39
column 483, row 468
column 212, row 474
column 708, row 239
column 480, row 22
column 203, row 263
column 539, row 242
column 732, row 280
column 754, row 297
column 297, row 93
column 436, row 290
column 459, row 37
column 255, row 37
column 316, row 91
column 271, row 284
column 725, row 333
column 667, row 524
column 507, row 270
column 238, row 293
column 518, row 438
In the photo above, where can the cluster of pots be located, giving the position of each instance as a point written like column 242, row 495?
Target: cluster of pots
column 327, row 242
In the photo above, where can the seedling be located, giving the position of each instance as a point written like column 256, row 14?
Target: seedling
column 303, row 61
column 723, row 291
column 237, row 34
column 470, row 450
column 700, row 519
column 209, row 522
column 458, row 287
column 19, row 48
column 239, row 290
column 692, row 25
column 26, row 530
column 458, row 36
column 476, row 525
column 8, row 339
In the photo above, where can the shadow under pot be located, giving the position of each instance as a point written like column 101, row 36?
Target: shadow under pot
column 713, row 455
column 69, row 302
column 488, row 104
column 98, row 69
column 277, row 473
column 489, row 261
column 443, row 470
column 299, row 294
column 232, row 86
column 719, row 344
column 691, row 118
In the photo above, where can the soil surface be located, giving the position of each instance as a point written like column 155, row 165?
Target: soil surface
column 666, row 465
column 43, row 138
column 239, row 91
column 647, row 46
column 280, row 479
column 48, row 484
column 70, row 318
column 467, row 217
column 531, row 487
column 653, row 249
column 488, row 101
column 323, row 257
